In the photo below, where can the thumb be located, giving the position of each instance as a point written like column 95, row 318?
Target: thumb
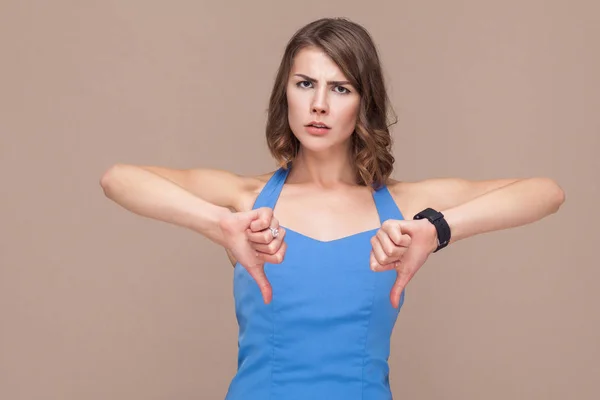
column 258, row 274
column 402, row 279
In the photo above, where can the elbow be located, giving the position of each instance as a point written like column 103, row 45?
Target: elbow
column 560, row 197
column 555, row 194
column 109, row 177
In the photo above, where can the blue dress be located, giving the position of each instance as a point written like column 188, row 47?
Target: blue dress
column 326, row 333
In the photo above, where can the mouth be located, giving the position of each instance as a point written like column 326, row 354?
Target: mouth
column 319, row 125
column 317, row 128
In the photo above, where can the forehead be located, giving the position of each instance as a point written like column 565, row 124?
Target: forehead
column 313, row 62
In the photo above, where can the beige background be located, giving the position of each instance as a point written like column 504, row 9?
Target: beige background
column 97, row 303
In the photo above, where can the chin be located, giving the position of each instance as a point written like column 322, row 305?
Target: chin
column 322, row 144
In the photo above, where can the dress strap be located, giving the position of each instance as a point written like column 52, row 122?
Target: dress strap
column 270, row 192
column 386, row 205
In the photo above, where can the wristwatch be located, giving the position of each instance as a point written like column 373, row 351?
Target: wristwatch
column 441, row 226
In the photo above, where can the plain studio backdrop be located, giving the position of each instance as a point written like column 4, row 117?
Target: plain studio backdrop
column 97, row 303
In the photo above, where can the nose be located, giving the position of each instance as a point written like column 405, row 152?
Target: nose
column 320, row 104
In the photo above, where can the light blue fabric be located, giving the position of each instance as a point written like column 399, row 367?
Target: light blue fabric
column 326, row 333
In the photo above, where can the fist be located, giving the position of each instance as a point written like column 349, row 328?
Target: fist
column 403, row 246
column 254, row 238
column 266, row 237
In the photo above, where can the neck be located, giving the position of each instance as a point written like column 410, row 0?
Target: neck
column 323, row 170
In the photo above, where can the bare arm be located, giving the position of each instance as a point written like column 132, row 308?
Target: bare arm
column 194, row 199
column 470, row 208
column 476, row 207
column 519, row 203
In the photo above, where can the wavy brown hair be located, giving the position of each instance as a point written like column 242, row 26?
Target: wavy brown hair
column 351, row 47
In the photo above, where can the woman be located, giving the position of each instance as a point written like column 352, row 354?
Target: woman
column 321, row 247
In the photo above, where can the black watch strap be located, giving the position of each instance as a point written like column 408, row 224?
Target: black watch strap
column 441, row 226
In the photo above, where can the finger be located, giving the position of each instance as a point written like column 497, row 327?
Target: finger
column 395, row 233
column 377, row 267
column 373, row 264
column 263, row 219
column 379, row 257
column 402, row 280
column 392, row 229
column 273, row 246
column 389, row 248
column 394, row 250
column 388, row 267
column 404, row 241
column 274, row 225
column 276, row 258
column 258, row 274
column 265, row 236
column 262, row 237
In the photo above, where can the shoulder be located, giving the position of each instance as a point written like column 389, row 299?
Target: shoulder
column 243, row 189
column 441, row 193
column 250, row 188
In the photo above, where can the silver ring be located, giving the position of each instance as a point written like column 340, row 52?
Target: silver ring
column 274, row 232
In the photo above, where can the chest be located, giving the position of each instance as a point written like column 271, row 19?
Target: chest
column 327, row 216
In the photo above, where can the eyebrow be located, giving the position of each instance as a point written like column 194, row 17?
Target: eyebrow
column 313, row 80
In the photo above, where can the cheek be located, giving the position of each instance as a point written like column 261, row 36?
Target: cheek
column 349, row 113
column 294, row 107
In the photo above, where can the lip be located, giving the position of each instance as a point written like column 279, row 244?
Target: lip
column 317, row 131
column 318, row 123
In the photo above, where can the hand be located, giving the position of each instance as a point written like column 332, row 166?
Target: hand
column 261, row 234
column 252, row 244
column 403, row 246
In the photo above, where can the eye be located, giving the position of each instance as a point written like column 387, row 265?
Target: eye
column 304, row 84
column 342, row 90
